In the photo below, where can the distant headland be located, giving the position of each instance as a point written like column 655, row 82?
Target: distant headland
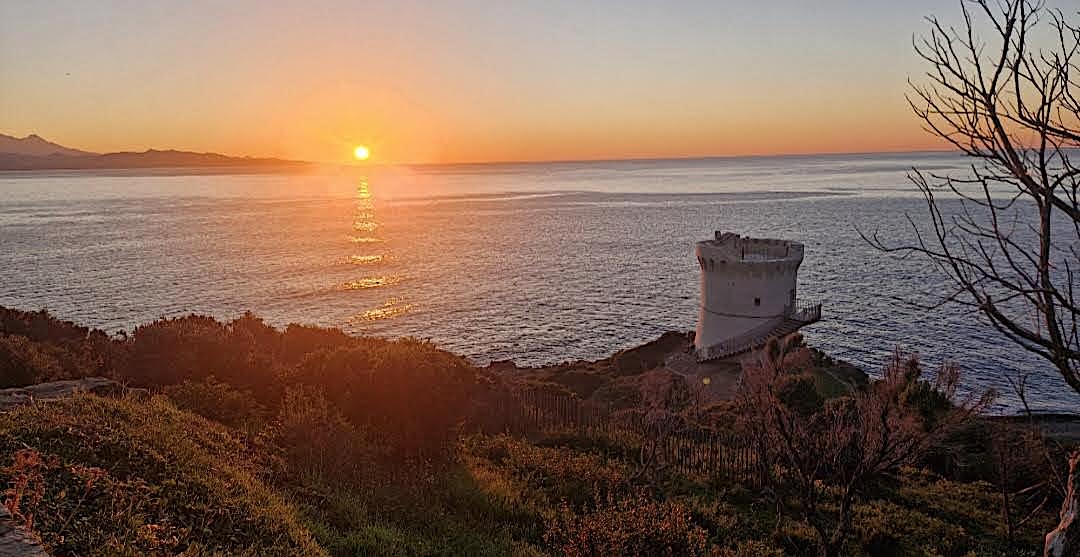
column 36, row 153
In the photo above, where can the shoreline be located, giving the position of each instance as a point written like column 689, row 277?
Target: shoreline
column 672, row 352
column 605, row 379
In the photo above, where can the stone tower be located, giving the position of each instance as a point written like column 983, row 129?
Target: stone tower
column 748, row 293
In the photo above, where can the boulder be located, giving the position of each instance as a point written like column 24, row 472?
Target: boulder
column 10, row 398
column 60, row 389
column 650, row 355
column 44, row 392
column 16, row 542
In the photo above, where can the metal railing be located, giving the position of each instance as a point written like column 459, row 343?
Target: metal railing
column 802, row 314
column 807, row 311
column 738, row 343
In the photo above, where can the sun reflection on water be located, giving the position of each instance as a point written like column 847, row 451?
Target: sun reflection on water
column 365, row 259
column 389, row 309
column 364, row 221
column 367, row 244
column 370, row 282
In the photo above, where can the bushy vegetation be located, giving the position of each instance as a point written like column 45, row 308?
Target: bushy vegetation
column 218, row 401
column 408, row 393
column 632, row 526
column 307, row 441
column 848, row 443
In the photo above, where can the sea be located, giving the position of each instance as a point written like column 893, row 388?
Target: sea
column 538, row 263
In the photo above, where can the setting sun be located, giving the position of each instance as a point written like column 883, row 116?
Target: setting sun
column 361, row 153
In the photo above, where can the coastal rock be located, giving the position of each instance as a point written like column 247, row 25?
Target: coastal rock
column 44, row 392
column 501, row 365
column 16, row 542
column 10, row 398
column 1064, row 541
column 137, row 393
column 650, row 355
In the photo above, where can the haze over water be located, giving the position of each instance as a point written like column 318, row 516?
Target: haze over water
column 538, row 263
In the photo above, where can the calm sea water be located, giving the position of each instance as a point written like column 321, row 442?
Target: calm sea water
column 538, row 263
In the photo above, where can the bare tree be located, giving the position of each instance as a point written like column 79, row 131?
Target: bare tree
column 850, row 442
column 1009, row 246
column 1004, row 89
column 1020, row 470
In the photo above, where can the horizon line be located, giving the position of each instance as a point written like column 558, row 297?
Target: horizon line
column 648, row 159
column 352, row 164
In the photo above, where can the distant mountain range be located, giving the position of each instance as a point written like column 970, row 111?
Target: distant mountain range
column 36, row 153
column 34, row 145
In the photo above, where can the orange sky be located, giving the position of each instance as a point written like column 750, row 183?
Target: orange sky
column 464, row 81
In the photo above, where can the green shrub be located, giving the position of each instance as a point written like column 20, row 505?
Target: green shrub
column 193, row 347
column 752, row 548
column 298, row 341
column 219, row 402
column 320, row 445
column 348, row 428
column 632, row 526
column 409, row 393
column 799, row 392
column 974, row 506
column 884, row 529
column 39, row 326
column 23, row 362
column 796, row 538
column 557, row 473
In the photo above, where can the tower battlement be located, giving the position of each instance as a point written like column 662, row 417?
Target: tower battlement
column 730, row 248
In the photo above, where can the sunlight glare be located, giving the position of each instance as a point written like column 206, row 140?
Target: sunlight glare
column 361, row 153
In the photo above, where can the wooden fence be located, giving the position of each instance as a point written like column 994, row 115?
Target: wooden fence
column 686, row 448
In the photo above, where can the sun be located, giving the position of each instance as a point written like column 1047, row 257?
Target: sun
column 361, row 153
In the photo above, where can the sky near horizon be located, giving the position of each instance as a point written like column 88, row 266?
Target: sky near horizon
column 465, row 80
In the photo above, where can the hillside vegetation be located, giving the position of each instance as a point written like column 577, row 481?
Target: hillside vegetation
column 306, row 441
column 125, row 477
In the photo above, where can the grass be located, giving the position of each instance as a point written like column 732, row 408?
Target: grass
column 174, row 483
column 163, row 482
column 126, row 477
column 449, row 517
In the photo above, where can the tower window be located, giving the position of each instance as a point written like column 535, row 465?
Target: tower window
column 757, row 301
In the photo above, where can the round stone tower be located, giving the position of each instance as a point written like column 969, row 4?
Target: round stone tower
column 747, row 293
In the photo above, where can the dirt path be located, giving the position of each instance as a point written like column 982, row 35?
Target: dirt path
column 719, row 377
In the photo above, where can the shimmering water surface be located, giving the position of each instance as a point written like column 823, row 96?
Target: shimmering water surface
column 538, row 263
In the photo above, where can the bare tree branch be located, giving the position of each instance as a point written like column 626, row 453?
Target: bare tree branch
column 1006, row 236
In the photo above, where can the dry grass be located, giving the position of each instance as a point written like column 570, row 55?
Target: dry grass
column 122, row 477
